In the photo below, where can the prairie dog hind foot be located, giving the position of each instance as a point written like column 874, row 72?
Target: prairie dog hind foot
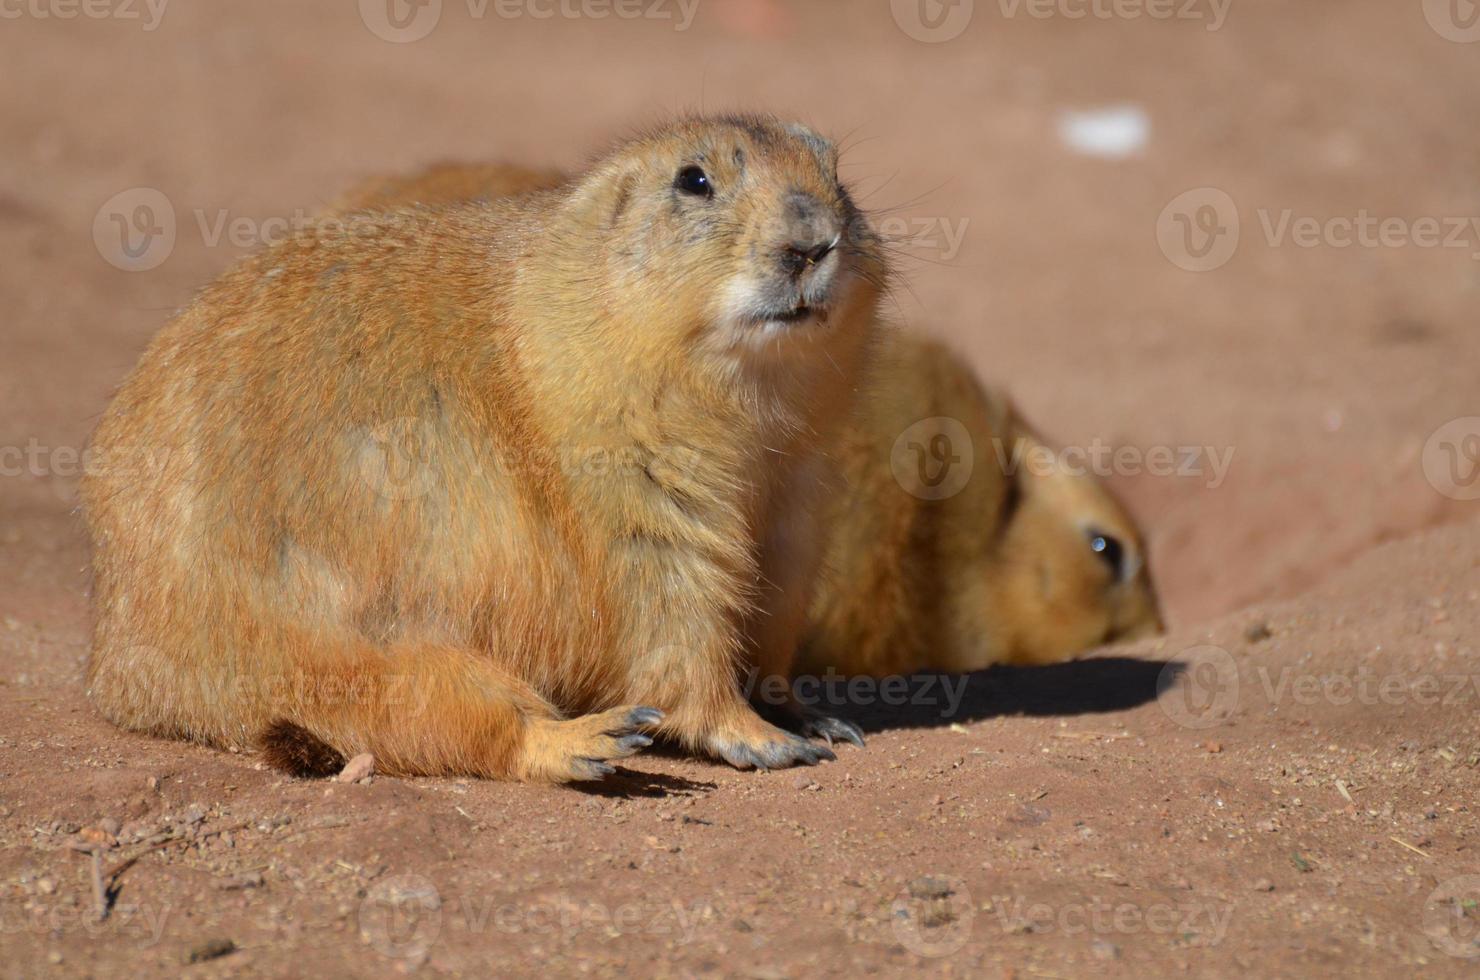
column 753, row 743
column 581, row 749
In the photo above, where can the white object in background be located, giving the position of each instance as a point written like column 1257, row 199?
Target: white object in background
column 1113, row 132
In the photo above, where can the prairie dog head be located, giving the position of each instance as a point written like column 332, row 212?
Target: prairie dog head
column 1071, row 570
column 1054, row 569
column 733, row 228
column 1031, row 561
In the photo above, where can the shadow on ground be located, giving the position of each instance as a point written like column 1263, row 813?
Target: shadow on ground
column 1060, row 690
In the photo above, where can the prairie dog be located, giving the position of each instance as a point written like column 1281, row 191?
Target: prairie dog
column 1027, row 564
column 1024, row 561
column 495, row 488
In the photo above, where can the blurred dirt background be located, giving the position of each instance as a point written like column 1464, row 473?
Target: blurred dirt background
column 1302, row 799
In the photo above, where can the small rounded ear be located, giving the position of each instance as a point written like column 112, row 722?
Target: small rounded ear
column 599, row 198
column 824, row 149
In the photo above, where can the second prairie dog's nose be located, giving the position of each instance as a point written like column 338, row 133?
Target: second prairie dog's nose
column 813, row 232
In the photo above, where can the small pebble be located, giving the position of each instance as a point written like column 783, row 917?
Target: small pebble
column 252, row 879
column 211, row 950
column 929, row 886
column 97, row 835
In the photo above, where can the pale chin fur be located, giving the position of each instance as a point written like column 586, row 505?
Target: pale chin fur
column 741, row 324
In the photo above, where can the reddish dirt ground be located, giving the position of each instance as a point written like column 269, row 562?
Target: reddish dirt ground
column 1300, row 799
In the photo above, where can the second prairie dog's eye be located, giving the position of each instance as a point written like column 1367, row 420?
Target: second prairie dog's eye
column 693, row 180
column 1111, row 552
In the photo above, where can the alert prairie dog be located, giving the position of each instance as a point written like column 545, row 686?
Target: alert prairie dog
column 496, row 488
column 962, row 541
column 1028, row 563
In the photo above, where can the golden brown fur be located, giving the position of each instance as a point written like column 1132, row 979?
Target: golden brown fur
column 449, row 183
column 1002, row 572
column 464, row 487
column 999, row 569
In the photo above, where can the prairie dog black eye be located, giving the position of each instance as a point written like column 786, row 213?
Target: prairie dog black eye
column 1111, row 552
column 693, row 180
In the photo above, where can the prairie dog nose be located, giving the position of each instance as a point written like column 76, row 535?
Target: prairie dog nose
column 797, row 256
column 813, row 231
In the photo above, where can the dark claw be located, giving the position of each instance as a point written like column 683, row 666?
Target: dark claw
column 631, row 744
column 593, row 768
column 791, row 751
column 640, row 717
column 821, row 752
column 824, row 726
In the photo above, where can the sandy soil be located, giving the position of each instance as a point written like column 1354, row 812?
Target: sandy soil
column 1299, row 799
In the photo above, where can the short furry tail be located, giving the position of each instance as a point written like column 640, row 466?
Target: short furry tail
column 298, row 751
